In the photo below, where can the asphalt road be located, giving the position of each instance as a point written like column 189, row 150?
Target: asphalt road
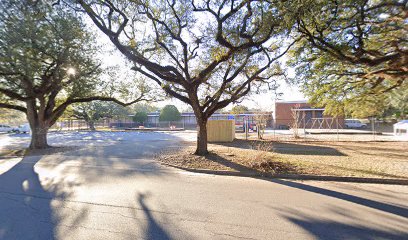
column 111, row 188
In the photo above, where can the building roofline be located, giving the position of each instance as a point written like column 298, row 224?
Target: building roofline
column 218, row 114
column 307, row 109
column 295, row 101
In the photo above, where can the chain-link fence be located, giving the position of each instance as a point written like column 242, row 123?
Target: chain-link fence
column 261, row 126
column 114, row 124
column 318, row 129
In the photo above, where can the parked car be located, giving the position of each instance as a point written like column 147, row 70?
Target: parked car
column 354, row 123
column 400, row 127
column 240, row 126
column 283, row 127
column 25, row 128
column 5, row 128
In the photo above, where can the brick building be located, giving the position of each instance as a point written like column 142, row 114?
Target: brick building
column 287, row 113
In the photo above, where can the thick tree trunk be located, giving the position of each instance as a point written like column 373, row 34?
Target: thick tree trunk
column 91, row 125
column 202, row 148
column 39, row 137
column 39, row 127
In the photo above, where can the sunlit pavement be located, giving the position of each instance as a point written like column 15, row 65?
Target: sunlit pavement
column 111, row 188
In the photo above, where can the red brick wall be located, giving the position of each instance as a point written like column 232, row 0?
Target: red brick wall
column 283, row 112
column 283, row 116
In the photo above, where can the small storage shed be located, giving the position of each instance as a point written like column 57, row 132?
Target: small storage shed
column 401, row 127
column 220, row 130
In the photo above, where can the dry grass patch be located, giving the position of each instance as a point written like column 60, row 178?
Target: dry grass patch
column 12, row 153
column 348, row 159
column 230, row 158
column 35, row 152
column 50, row 150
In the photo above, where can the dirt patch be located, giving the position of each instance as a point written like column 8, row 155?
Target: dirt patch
column 343, row 159
column 12, row 153
column 233, row 159
column 35, row 152
column 50, row 150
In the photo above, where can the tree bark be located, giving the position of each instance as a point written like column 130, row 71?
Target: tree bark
column 91, row 125
column 202, row 148
column 39, row 127
column 39, row 137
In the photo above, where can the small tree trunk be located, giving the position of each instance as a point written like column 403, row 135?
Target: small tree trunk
column 202, row 148
column 91, row 125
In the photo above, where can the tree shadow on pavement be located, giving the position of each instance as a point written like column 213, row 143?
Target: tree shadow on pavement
column 35, row 191
column 385, row 207
column 153, row 228
column 25, row 205
column 338, row 229
column 97, row 154
column 322, row 229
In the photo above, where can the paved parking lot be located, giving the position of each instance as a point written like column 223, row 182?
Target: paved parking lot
column 109, row 187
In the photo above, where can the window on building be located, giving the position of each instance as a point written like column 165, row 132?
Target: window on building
column 308, row 115
column 319, row 114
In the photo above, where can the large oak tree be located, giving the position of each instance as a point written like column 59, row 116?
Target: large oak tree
column 353, row 52
column 47, row 62
column 207, row 54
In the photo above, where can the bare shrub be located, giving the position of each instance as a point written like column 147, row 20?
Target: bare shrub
column 295, row 124
column 261, row 149
column 270, row 166
column 261, row 120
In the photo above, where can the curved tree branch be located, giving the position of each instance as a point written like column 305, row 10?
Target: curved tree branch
column 14, row 107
